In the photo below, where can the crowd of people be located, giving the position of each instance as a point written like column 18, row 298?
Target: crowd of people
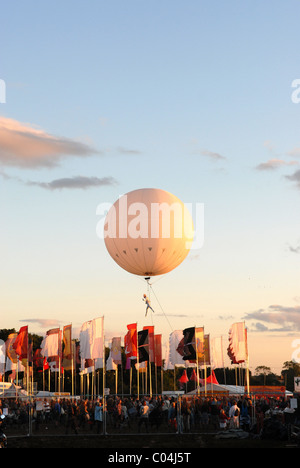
column 135, row 415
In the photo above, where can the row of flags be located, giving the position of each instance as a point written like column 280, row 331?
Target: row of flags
column 190, row 347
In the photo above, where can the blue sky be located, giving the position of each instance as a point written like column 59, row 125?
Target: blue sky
column 192, row 97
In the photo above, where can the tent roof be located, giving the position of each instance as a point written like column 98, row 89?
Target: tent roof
column 230, row 389
column 10, row 390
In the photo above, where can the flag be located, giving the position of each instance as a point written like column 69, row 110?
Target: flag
column 91, row 339
column 143, row 345
column 206, row 350
column 30, row 353
column 2, row 357
column 167, row 360
column 10, row 351
column 130, row 363
column 176, row 349
column 151, row 343
column 217, row 353
column 115, row 350
column 97, row 334
column 199, row 340
column 130, row 341
column 38, row 360
column 158, row 350
column 182, row 347
column 189, row 344
column 45, row 365
column 50, row 343
column 237, row 349
column 76, row 355
column 20, row 344
column 141, row 366
column 110, row 364
column 67, row 347
column 53, row 363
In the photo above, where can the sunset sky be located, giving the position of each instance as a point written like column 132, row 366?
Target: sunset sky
column 195, row 98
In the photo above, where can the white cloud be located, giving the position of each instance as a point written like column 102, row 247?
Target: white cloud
column 77, row 182
column 212, row 155
column 24, row 145
column 282, row 318
column 272, row 164
column 295, row 178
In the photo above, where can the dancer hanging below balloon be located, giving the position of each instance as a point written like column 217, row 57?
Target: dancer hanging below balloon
column 146, row 300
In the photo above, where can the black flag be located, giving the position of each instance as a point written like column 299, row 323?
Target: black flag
column 189, row 344
column 143, row 345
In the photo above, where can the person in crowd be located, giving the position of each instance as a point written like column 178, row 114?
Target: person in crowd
column 144, row 416
column 71, row 417
column 214, row 414
column 234, row 414
column 223, row 419
column 98, row 417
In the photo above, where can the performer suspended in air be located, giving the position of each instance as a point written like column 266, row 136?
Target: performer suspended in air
column 146, row 300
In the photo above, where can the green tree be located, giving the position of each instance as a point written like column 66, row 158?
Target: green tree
column 290, row 370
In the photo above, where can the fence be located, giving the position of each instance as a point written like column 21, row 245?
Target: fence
column 29, row 416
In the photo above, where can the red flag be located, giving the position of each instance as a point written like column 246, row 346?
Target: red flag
column 38, row 359
column 131, row 341
column 45, row 364
column 158, row 350
column 20, row 344
column 194, row 376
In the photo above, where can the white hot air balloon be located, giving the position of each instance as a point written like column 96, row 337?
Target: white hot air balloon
column 148, row 232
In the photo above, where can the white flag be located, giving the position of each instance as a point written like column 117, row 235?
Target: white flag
column 91, row 339
column 238, row 348
column 2, row 357
column 175, row 348
column 217, row 353
column 50, row 344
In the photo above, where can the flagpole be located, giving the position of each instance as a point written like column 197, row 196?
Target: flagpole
column 122, row 383
column 247, row 360
column 104, row 383
column 150, row 377
column 72, row 369
column 174, row 376
column 28, row 389
column 72, row 364
column 104, row 374
column 138, row 364
column 130, row 378
column 197, row 363
column 59, row 365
